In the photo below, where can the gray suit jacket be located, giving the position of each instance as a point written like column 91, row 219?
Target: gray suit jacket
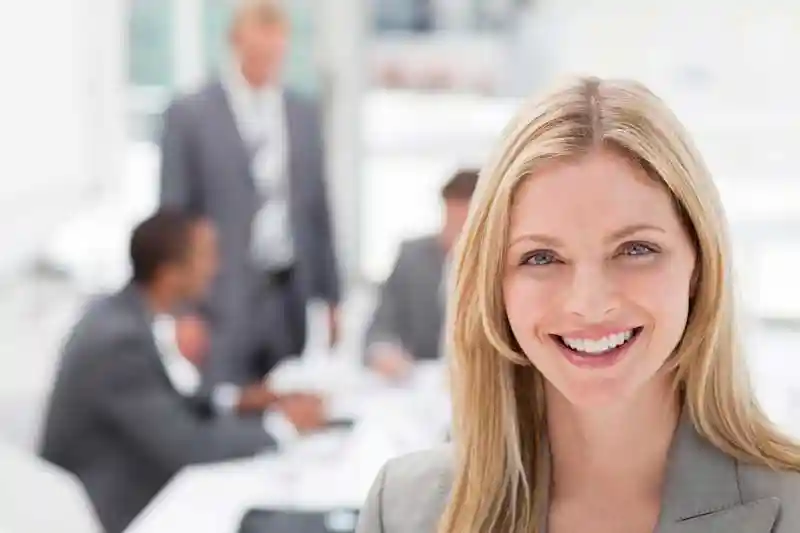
column 206, row 169
column 706, row 491
column 116, row 422
column 410, row 306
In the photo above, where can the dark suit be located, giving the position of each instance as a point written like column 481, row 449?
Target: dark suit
column 118, row 424
column 410, row 307
column 206, row 169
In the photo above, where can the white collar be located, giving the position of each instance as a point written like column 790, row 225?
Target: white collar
column 243, row 92
column 183, row 375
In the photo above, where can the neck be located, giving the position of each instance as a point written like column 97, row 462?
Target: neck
column 158, row 299
column 254, row 82
column 619, row 451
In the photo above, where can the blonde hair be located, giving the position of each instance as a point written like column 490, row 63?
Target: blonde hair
column 499, row 423
column 266, row 11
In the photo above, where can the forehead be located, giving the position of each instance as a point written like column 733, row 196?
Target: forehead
column 599, row 192
column 259, row 17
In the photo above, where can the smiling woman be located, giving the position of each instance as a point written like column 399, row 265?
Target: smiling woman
column 598, row 275
column 597, row 378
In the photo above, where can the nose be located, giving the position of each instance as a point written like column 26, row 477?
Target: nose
column 591, row 295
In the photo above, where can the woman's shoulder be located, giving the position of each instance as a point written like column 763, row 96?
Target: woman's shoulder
column 433, row 467
column 410, row 493
column 759, row 483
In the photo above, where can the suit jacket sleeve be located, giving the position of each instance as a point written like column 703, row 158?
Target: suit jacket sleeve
column 327, row 274
column 133, row 398
column 386, row 323
column 176, row 187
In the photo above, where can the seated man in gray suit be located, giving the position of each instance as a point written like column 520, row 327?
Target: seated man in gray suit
column 124, row 415
column 407, row 324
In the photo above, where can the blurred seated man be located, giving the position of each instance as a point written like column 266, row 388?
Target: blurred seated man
column 126, row 412
column 407, row 323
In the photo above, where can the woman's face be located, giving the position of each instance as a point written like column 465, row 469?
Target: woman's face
column 598, row 277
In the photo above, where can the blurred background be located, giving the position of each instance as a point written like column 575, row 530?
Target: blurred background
column 411, row 91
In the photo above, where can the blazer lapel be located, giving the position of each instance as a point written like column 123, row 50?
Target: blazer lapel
column 701, row 491
column 133, row 299
column 293, row 136
column 754, row 517
column 229, row 131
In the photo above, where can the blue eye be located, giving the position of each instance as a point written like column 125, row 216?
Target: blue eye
column 539, row 258
column 635, row 249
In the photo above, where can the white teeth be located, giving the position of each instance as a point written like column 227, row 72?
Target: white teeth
column 598, row 345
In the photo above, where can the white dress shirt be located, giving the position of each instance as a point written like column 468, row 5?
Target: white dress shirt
column 260, row 116
column 186, row 379
column 183, row 375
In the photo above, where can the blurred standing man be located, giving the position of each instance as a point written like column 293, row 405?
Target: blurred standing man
column 248, row 153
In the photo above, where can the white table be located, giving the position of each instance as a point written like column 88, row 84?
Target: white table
column 37, row 497
column 335, row 470
column 390, row 421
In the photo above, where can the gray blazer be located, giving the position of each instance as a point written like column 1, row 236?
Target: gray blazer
column 116, row 422
column 206, row 169
column 706, row 491
column 410, row 305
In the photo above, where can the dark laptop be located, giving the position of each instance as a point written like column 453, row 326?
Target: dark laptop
column 276, row 521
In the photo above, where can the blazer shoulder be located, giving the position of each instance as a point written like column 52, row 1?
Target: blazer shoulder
column 427, row 467
column 105, row 322
column 759, row 482
column 415, row 489
column 191, row 102
column 420, row 246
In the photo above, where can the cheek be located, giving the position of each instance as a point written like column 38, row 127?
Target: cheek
column 673, row 302
column 662, row 290
column 528, row 303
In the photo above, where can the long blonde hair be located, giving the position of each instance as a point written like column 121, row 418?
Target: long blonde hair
column 499, row 422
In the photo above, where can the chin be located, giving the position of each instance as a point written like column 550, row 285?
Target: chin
column 592, row 388
column 591, row 394
column 594, row 392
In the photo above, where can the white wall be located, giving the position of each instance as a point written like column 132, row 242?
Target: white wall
column 747, row 44
column 60, row 115
column 340, row 52
column 740, row 106
column 187, row 42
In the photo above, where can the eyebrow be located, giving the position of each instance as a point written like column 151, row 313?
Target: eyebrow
column 620, row 234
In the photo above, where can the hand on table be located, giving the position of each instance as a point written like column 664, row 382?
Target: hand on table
column 256, row 398
column 305, row 411
column 391, row 361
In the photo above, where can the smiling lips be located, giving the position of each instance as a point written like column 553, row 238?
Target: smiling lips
column 588, row 345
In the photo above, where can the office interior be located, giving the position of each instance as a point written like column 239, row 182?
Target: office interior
column 411, row 91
